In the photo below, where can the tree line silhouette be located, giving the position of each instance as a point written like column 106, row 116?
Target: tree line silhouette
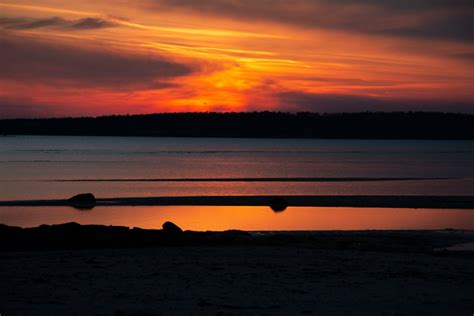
column 368, row 125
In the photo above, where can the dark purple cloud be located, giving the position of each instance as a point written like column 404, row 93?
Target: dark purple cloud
column 25, row 24
column 29, row 60
column 23, row 106
column 81, row 24
column 442, row 19
column 301, row 101
column 92, row 23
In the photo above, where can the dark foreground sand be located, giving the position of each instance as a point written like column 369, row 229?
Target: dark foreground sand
column 328, row 273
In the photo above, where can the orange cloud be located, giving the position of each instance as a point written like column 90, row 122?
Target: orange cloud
column 103, row 57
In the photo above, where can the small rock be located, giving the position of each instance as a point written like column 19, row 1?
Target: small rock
column 171, row 228
column 278, row 204
column 84, row 201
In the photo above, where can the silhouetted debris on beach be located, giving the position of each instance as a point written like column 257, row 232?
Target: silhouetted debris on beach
column 171, row 228
column 76, row 236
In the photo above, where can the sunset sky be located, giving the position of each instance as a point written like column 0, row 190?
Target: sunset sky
column 96, row 57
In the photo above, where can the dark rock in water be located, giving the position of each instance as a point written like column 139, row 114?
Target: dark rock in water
column 278, row 204
column 171, row 228
column 84, row 201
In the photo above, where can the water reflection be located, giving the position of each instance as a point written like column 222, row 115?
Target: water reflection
column 245, row 217
column 29, row 163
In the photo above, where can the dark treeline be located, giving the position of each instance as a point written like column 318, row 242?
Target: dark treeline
column 377, row 125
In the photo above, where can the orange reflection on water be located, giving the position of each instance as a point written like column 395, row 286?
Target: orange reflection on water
column 245, row 218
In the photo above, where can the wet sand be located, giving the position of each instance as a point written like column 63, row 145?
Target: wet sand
column 328, row 273
column 438, row 202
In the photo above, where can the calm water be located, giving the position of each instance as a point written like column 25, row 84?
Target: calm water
column 35, row 167
column 28, row 164
column 245, row 218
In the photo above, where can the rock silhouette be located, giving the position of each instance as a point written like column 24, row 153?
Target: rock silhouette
column 171, row 228
column 76, row 236
column 278, row 204
column 84, row 201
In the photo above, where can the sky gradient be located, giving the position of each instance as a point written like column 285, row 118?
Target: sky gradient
column 89, row 58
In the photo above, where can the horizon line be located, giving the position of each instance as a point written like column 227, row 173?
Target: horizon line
column 235, row 112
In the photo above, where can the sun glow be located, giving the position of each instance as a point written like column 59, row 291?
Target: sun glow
column 231, row 65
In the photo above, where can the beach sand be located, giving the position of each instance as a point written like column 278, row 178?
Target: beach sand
column 326, row 273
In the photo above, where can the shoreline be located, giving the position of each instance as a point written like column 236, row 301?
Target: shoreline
column 73, row 235
column 357, row 125
column 431, row 202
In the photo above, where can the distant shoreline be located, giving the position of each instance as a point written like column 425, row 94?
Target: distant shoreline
column 433, row 202
column 305, row 125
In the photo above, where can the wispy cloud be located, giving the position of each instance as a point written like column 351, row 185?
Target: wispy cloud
column 28, row 60
column 92, row 23
column 444, row 19
column 326, row 102
column 57, row 22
